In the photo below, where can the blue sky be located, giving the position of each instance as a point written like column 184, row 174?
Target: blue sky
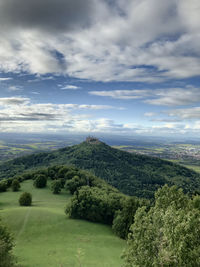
column 119, row 67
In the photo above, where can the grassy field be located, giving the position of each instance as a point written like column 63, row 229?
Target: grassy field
column 45, row 236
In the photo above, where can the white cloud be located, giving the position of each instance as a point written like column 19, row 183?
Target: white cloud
column 186, row 113
column 14, row 88
column 13, row 101
column 19, row 114
column 2, row 79
column 41, row 78
column 175, row 96
column 161, row 97
column 146, row 40
column 70, row 87
column 150, row 114
column 122, row 94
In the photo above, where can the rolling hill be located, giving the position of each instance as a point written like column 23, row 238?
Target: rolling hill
column 131, row 173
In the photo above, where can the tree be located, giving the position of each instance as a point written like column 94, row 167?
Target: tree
column 25, row 199
column 94, row 204
column 6, row 246
column 15, row 185
column 40, row 181
column 124, row 218
column 56, row 186
column 168, row 234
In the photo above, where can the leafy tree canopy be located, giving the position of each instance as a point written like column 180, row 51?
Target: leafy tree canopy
column 6, row 246
column 25, row 199
column 168, row 234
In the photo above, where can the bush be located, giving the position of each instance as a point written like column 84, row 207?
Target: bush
column 3, row 186
column 27, row 176
column 15, row 185
column 56, row 186
column 6, row 245
column 25, row 199
column 40, row 181
column 9, row 182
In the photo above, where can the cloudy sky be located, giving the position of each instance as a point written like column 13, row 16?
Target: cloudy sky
column 100, row 66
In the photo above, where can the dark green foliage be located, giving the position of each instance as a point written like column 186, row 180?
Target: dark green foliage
column 6, row 246
column 62, row 182
column 70, row 174
column 63, row 171
column 82, row 178
column 77, row 181
column 40, row 181
column 131, row 173
column 94, row 204
column 27, row 176
column 56, row 186
column 124, row 218
column 167, row 234
column 3, row 186
column 9, row 181
column 73, row 184
column 196, row 202
column 15, row 185
column 25, row 199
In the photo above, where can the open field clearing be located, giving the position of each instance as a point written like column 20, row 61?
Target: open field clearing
column 44, row 235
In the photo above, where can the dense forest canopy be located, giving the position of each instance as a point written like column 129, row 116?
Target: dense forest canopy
column 132, row 174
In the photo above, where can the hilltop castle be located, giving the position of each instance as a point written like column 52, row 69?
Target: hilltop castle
column 92, row 140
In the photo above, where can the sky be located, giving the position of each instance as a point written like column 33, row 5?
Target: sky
column 129, row 67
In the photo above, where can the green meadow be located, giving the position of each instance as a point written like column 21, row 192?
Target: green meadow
column 45, row 236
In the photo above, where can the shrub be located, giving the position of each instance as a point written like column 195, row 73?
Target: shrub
column 56, row 186
column 3, row 186
column 25, row 199
column 9, row 182
column 15, row 185
column 40, row 181
column 27, row 176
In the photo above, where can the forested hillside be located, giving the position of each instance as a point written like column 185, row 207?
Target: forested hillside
column 132, row 174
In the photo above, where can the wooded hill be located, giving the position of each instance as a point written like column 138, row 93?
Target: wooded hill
column 131, row 173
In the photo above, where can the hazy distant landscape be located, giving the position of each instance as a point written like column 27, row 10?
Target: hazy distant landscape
column 185, row 152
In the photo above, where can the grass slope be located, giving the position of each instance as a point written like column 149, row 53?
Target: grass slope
column 131, row 173
column 46, row 237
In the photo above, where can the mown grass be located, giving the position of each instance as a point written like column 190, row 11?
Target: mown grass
column 45, row 236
